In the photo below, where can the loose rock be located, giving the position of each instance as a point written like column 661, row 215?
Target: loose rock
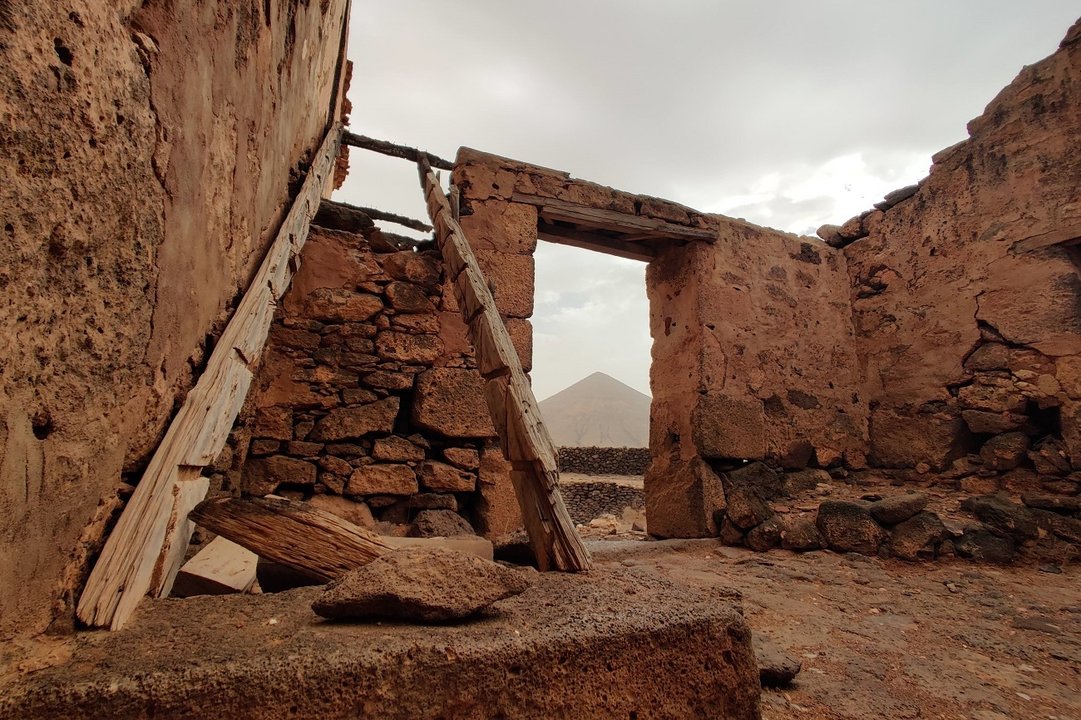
column 1002, row 516
column 776, row 668
column 426, row 586
column 898, row 508
column 848, row 527
column 439, row 523
column 917, row 536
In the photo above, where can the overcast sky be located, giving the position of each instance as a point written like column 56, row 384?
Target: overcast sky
column 789, row 113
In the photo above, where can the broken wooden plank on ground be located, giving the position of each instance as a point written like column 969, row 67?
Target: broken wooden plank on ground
column 515, row 415
column 146, row 548
column 220, row 568
column 394, row 150
column 292, row 533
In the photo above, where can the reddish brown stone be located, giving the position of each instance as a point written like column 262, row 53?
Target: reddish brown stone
column 382, row 480
column 264, row 475
column 419, row 268
column 408, row 348
column 273, row 422
column 353, row 511
column 464, row 458
column 396, row 449
column 450, row 401
column 1004, row 452
column 406, row 297
column 387, row 380
column 341, row 305
column 511, row 278
column 729, row 427
column 439, row 477
column 344, row 423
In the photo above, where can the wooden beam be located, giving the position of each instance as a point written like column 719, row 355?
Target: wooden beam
column 292, row 533
column 594, row 241
column 147, row 546
column 1059, row 236
column 399, row 151
column 220, row 568
column 554, row 210
column 515, row 414
column 342, row 209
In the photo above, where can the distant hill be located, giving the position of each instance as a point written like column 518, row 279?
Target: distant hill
column 598, row 411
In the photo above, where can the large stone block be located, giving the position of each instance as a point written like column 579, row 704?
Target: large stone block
column 497, row 510
column 264, row 475
column 501, row 227
column 340, row 305
column 729, row 427
column 419, row 268
column 450, row 401
column 440, row 477
column 907, row 440
column 511, row 279
column 682, row 498
column 354, row 422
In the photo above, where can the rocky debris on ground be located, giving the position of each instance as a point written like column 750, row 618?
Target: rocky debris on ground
column 917, row 536
column 1002, row 516
column 847, row 526
column 439, row 523
column 419, row 585
column 982, row 545
column 898, row 508
column 776, row 668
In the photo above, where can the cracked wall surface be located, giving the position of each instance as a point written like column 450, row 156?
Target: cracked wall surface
column 964, row 334
column 148, row 159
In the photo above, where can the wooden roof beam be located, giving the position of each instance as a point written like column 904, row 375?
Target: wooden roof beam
column 575, row 237
column 551, row 209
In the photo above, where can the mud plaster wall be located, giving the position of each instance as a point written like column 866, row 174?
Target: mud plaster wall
column 753, row 358
column 147, row 158
column 964, row 336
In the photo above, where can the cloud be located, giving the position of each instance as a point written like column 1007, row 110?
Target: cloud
column 789, row 113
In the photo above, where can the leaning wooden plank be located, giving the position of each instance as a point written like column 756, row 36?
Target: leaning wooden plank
column 509, row 397
column 220, row 568
column 292, row 533
column 146, row 548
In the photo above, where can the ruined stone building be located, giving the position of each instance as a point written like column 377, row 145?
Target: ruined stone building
column 151, row 156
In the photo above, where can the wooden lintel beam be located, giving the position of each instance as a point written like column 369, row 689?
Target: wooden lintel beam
column 393, row 150
column 555, row 210
column 375, row 214
column 574, row 237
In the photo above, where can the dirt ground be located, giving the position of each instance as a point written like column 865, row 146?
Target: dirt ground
column 890, row 639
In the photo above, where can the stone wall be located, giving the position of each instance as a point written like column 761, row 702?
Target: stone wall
column 971, row 343
column 368, row 400
column 148, row 163
column 604, row 460
column 588, row 500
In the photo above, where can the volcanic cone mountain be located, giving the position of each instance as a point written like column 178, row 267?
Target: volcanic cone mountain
column 597, row 411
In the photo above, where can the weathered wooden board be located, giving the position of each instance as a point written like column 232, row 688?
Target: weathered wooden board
column 515, row 415
column 220, row 568
column 147, row 546
column 552, row 209
column 295, row 534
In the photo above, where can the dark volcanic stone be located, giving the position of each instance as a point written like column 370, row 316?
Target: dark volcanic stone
column 1002, row 516
column 776, row 668
column 767, row 535
column 426, row 586
column 439, row 523
column 1054, row 503
column 898, row 508
column 1064, row 528
column 982, row 545
column 917, row 535
column 730, row 533
column 766, row 482
column 801, row 534
column 746, row 509
column 848, row 527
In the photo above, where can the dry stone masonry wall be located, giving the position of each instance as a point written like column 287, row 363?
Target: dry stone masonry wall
column 604, row 460
column 368, row 402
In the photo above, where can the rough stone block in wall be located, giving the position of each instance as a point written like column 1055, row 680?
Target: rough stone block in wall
column 450, row 401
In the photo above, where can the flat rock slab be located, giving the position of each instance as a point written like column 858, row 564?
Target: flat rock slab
column 419, row 585
column 618, row 642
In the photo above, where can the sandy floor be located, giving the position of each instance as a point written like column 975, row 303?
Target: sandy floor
column 896, row 640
